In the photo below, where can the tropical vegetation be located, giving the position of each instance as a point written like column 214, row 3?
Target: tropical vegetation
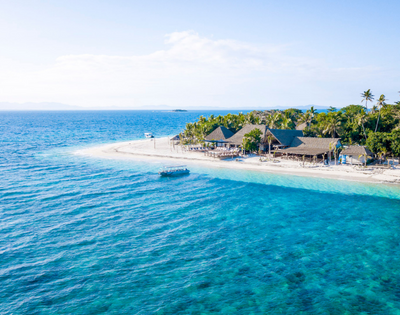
column 378, row 126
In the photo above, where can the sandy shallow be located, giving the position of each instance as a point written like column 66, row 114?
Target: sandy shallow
column 162, row 149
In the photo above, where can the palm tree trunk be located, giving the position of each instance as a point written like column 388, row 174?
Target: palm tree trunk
column 365, row 135
column 377, row 122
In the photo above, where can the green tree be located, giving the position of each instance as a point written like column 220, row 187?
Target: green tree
column 286, row 122
column 381, row 103
column 395, row 143
column 313, row 111
column 269, row 138
column 367, row 97
column 294, row 114
column 379, row 142
column 333, row 123
column 251, row 140
column 274, row 120
column 306, row 118
column 361, row 119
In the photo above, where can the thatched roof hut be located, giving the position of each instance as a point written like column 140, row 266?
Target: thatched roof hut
column 357, row 150
column 311, row 146
column 237, row 138
column 284, row 136
column 221, row 133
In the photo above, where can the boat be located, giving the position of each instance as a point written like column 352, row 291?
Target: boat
column 174, row 170
column 148, row 135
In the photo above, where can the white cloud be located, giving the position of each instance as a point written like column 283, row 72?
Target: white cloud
column 191, row 71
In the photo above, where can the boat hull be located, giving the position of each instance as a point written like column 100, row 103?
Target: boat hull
column 171, row 174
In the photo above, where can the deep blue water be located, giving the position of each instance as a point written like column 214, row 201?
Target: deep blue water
column 81, row 235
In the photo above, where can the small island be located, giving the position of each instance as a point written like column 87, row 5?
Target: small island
column 179, row 110
column 353, row 143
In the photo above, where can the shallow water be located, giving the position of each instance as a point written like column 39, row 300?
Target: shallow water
column 81, row 235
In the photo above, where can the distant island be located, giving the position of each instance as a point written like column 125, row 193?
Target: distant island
column 179, row 110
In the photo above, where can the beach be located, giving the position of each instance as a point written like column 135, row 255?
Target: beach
column 163, row 150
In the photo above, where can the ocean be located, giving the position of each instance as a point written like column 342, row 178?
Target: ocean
column 85, row 235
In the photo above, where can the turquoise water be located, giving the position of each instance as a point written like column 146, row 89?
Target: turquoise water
column 81, row 235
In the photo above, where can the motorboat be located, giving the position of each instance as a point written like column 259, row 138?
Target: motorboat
column 174, row 170
column 148, row 135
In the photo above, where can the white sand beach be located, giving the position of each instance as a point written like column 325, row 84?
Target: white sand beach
column 162, row 149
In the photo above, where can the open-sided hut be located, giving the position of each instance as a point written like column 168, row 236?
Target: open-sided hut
column 283, row 141
column 282, row 138
column 311, row 147
column 176, row 139
column 237, row 139
column 219, row 136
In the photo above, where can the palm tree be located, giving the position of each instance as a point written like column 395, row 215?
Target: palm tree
column 274, row 120
column 333, row 148
column 367, row 97
column 333, row 123
column 382, row 154
column 361, row 119
column 381, row 102
column 313, row 111
column 285, row 123
column 365, row 158
column 306, row 118
column 269, row 138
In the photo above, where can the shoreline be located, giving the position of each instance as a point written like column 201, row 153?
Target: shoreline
column 163, row 150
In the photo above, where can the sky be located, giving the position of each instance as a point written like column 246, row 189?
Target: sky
column 197, row 54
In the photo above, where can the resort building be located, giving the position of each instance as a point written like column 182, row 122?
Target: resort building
column 355, row 154
column 237, row 139
column 219, row 136
column 311, row 147
column 281, row 138
column 283, row 142
column 176, row 139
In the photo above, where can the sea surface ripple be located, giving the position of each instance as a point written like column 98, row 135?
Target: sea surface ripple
column 80, row 235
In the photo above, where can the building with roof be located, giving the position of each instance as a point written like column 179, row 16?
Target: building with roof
column 283, row 141
column 282, row 138
column 301, row 126
column 311, row 146
column 356, row 154
column 237, row 138
column 219, row 136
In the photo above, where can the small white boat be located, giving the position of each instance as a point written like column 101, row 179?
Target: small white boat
column 148, row 135
column 174, row 170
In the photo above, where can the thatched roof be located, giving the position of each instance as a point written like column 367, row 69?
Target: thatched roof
column 357, row 150
column 221, row 133
column 237, row 138
column 314, row 142
column 175, row 138
column 311, row 145
column 301, row 126
column 284, row 136
column 303, row 151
